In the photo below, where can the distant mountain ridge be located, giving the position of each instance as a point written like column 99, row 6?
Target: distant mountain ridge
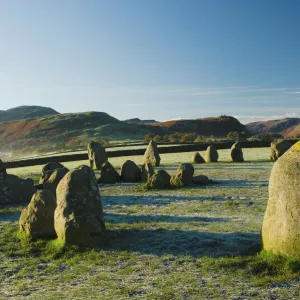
column 137, row 120
column 288, row 127
column 25, row 112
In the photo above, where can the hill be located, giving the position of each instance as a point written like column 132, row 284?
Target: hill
column 219, row 126
column 25, row 112
column 288, row 127
column 72, row 131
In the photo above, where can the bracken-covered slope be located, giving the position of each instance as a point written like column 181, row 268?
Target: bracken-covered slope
column 66, row 128
column 218, row 126
column 288, row 127
column 74, row 130
column 25, row 112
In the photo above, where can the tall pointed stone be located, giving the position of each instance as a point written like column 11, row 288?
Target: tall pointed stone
column 152, row 155
column 211, row 154
column 97, row 155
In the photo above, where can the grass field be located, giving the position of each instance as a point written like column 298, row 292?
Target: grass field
column 190, row 243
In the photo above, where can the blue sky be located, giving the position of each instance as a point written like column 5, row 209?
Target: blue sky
column 158, row 59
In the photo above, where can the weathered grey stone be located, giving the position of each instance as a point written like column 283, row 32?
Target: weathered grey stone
column 197, row 158
column 78, row 217
column 159, row 180
column 2, row 167
column 278, row 148
column 281, row 224
column 37, row 219
column 147, row 171
column 183, row 175
column 97, row 155
column 14, row 190
column 152, row 155
column 48, row 170
column 108, row 174
column 130, row 172
column 236, row 153
column 201, row 180
column 52, row 183
column 211, row 154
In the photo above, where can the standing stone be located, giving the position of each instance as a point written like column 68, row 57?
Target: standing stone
column 159, row 180
column 278, row 148
column 52, row 183
column 197, row 158
column 108, row 174
column 78, row 217
column 130, row 172
column 2, row 167
column 15, row 190
column 183, row 176
column 236, row 153
column 97, row 155
column 211, row 154
column 48, row 170
column 37, row 219
column 281, row 225
column 147, row 171
column 152, row 155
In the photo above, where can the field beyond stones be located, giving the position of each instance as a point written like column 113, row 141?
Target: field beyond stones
column 198, row 242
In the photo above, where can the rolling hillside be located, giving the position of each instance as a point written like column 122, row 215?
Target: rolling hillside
column 72, row 131
column 25, row 112
column 288, row 127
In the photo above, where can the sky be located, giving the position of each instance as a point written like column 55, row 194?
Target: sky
column 152, row 59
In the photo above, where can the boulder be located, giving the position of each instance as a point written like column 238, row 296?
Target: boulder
column 183, row 175
column 281, row 225
column 108, row 174
column 130, row 172
column 2, row 167
column 278, row 148
column 197, row 158
column 52, row 183
column 78, row 217
column 48, row 169
column 159, row 180
column 37, row 219
column 97, row 155
column 211, row 154
column 15, row 190
column 201, row 179
column 147, row 171
column 152, row 155
column 236, row 153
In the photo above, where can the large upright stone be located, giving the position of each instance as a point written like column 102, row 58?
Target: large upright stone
column 108, row 174
column 147, row 171
column 281, row 225
column 130, row 172
column 211, row 154
column 37, row 219
column 236, row 153
column 15, row 190
column 183, row 176
column 78, row 218
column 197, row 158
column 48, row 170
column 278, row 148
column 152, row 155
column 52, row 183
column 97, row 155
column 2, row 167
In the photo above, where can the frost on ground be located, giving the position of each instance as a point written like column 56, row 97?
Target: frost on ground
column 199, row 242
